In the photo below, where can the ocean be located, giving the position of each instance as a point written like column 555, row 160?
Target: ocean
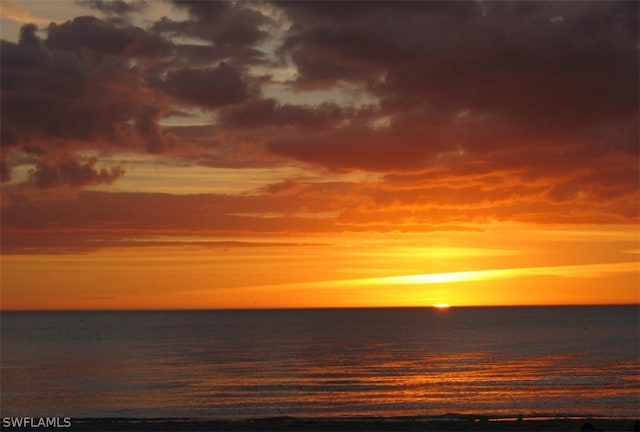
column 239, row 364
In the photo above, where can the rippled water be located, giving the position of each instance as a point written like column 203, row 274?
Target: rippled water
column 340, row 362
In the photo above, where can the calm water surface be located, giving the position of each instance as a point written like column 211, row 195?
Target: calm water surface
column 342, row 362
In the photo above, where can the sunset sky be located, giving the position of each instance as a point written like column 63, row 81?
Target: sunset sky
column 178, row 154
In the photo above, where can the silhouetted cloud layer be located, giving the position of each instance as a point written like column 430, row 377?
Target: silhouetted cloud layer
column 453, row 112
column 209, row 88
column 223, row 23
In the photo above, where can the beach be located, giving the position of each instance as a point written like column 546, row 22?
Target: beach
column 369, row 424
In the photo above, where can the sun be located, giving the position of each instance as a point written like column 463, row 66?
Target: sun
column 441, row 306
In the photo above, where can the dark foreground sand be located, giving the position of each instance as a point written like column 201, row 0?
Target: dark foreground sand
column 287, row 424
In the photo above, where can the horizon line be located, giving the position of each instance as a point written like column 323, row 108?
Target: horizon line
column 315, row 308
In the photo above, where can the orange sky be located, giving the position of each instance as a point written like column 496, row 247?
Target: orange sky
column 502, row 265
column 239, row 155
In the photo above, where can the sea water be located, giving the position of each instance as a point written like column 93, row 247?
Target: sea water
column 315, row 363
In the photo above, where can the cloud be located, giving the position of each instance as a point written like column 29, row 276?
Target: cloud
column 209, row 88
column 70, row 242
column 70, row 172
column 482, row 55
column 115, row 7
column 102, row 37
column 223, row 23
column 92, row 217
column 54, row 94
column 259, row 113
column 418, row 202
column 502, row 59
column 191, row 55
column 463, row 112
column 73, row 92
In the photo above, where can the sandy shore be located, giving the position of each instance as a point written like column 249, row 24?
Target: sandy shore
column 287, row 424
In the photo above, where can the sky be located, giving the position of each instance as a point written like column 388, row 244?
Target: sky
column 199, row 154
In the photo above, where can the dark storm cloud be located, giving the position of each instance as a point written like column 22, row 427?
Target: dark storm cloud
column 540, row 63
column 210, row 87
column 356, row 41
column 115, row 7
column 496, row 56
column 258, row 113
column 223, row 23
column 190, row 55
column 5, row 172
column 102, row 37
column 146, row 125
column 74, row 91
column 57, row 94
column 70, row 172
column 486, row 77
column 95, row 84
column 362, row 147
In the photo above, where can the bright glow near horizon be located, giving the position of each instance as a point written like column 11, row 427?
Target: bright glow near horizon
column 437, row 278
column 327, row 272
